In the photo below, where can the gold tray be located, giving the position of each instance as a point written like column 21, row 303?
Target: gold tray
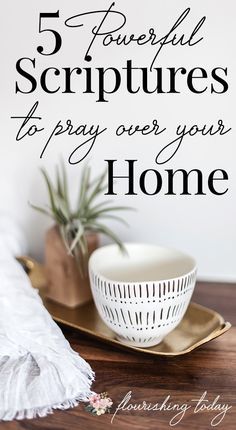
column 199, row 325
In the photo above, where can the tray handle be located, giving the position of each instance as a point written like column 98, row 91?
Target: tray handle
column 223, row 329
column 35, row 271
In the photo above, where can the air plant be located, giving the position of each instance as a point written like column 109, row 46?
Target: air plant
column 87, row 216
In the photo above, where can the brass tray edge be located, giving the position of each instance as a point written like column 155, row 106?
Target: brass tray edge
column 224, row 326
column 216, row 333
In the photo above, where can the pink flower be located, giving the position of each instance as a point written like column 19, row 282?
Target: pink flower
column 100, row 403
column 94, row 400
column 94, row 397
column 105, row 403
column 96, row 404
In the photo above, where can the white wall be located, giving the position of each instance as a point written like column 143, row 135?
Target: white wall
column 204, row 226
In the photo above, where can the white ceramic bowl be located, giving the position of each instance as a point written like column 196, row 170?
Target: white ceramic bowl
column 144, row 295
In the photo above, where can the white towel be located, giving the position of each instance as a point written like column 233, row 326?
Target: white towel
column 39, row 371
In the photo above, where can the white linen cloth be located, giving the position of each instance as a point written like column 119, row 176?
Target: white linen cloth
column 39, row 371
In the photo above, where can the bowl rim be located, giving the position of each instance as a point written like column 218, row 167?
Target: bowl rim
column 126, row 283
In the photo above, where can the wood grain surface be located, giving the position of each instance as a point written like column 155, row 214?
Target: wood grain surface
column 211, row 368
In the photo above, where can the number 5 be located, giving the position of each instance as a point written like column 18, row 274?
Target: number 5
column 57, row 36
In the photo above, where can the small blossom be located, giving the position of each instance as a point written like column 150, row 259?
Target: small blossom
column 94, row 398
column 99, row 404
column 105, row 403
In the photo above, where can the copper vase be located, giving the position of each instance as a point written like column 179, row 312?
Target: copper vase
column 65, row 283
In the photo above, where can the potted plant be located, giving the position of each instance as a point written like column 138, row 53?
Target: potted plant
column 74, row 235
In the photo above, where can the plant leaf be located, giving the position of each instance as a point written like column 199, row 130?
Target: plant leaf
column 87, row 214
column 98, row 188
column 59, row 183
column 83, row 187
column 109, row 209
column 65, row 186
column 105, row 230
column 116, row 218
column 79, row 233
column 42, row 210
column 61, row 207
column 65, row 239
column 50, row 189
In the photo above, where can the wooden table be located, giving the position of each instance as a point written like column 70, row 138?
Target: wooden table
column 211, row 368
